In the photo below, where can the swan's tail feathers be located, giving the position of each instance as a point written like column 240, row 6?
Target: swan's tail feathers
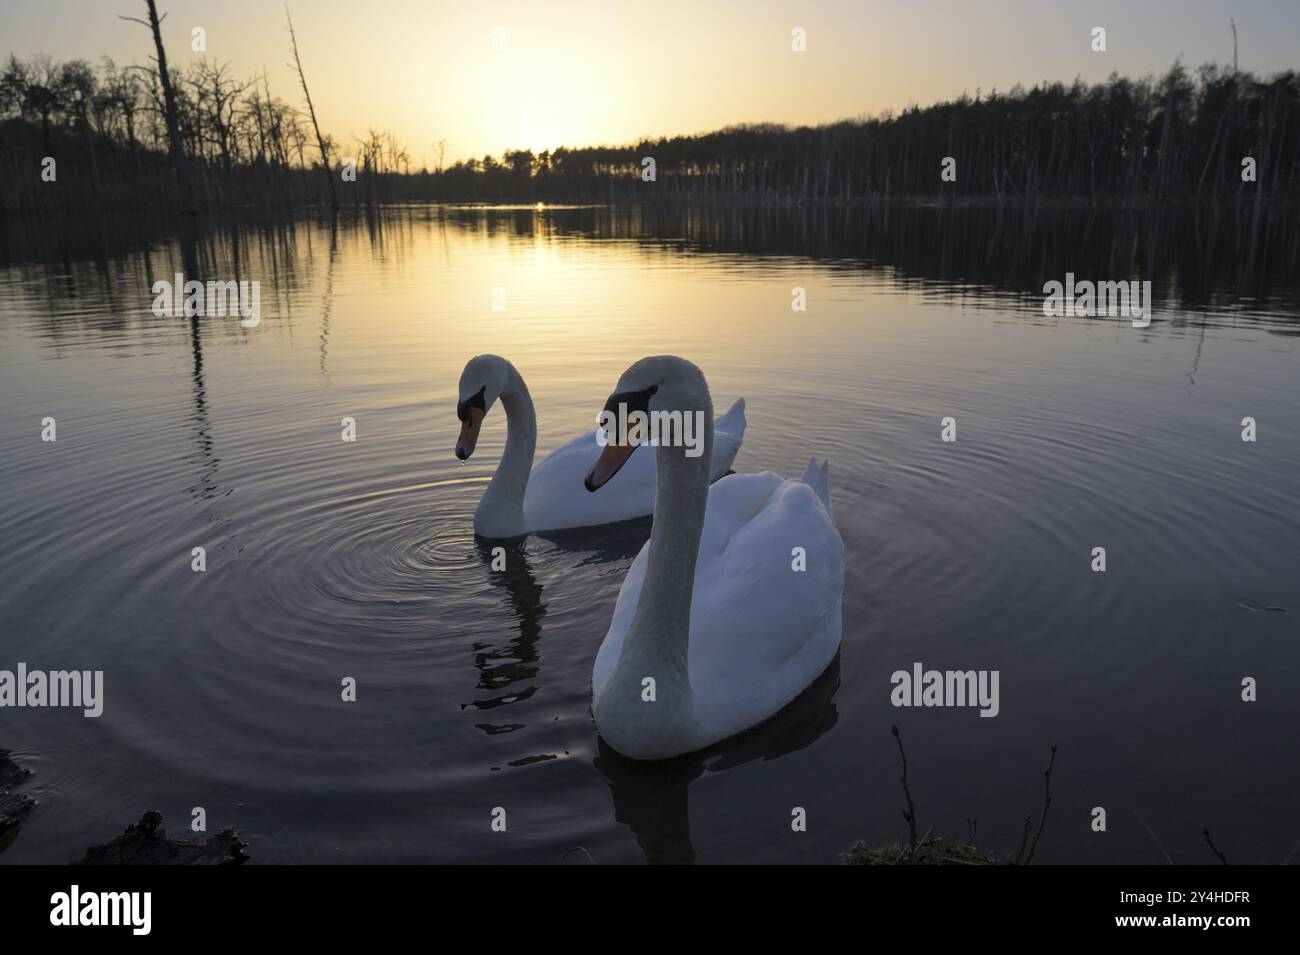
column 818, row 477
column 733, row 422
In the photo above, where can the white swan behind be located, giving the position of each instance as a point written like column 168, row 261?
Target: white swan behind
column 520, row 498
column 556, row 498
column 735, row 633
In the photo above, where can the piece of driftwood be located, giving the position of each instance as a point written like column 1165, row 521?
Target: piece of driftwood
column 147, row 843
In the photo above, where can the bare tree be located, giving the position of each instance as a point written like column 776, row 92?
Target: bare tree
column 311, row 111
column 176, row 151
column 213, row 84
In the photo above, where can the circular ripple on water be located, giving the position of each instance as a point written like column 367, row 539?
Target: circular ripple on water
column 378, row 564
column 378, row 583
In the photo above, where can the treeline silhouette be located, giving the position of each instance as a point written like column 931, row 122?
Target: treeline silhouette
column 1181, row 136
column 105, row 128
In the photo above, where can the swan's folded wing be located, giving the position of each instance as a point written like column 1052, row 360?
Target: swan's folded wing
column 764, row 622
column 734, row 501
column 728, row 435
column 556, row 497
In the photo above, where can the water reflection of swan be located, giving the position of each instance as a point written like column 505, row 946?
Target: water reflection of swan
column 509, row 671
column 601, row 545
column 501, row 668
column 651, row 798
column 521, row 498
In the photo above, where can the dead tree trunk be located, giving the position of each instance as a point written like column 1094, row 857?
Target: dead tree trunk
column 311, row 111
column 175, row 151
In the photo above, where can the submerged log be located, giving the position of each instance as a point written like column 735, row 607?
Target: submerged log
column 147, row 843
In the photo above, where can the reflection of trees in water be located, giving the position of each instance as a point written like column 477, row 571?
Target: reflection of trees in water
column 1196, row 255
column 327, row 300
column 1201, row 255
column 205, row 487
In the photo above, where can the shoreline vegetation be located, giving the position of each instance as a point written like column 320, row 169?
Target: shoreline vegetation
column 116, row 134
column 931, row 849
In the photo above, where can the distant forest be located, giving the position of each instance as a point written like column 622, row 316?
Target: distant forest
column 1180, row 136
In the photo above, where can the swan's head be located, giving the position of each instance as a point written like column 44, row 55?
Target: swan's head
column 481, row 384
column 658, row 383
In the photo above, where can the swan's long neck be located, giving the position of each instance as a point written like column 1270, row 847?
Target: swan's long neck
column 501, row 511
column 659, row 634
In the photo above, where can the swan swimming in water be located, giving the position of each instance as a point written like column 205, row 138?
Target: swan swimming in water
column 521, row 498
column 713, row 609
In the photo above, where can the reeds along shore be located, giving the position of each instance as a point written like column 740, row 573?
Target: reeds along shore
column 1182, row 136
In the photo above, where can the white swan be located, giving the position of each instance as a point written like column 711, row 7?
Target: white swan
column 713, row 609
column 521, row 498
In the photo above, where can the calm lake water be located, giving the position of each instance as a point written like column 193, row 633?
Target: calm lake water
column 329, row 559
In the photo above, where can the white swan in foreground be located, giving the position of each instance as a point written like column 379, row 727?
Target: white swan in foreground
column 521, row 498
column 713, row 609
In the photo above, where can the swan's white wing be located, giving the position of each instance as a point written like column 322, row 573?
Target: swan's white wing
column 760, row 630
column 728, row 434
column 557, row 499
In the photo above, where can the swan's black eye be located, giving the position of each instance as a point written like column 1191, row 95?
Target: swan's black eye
column 474, row 401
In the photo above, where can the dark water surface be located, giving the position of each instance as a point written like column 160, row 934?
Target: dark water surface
column 329, row 559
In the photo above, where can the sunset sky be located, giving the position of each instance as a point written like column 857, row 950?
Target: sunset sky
column 577, row 72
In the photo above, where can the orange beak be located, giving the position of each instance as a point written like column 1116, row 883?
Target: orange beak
column 469, row 433
column 613, row 457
